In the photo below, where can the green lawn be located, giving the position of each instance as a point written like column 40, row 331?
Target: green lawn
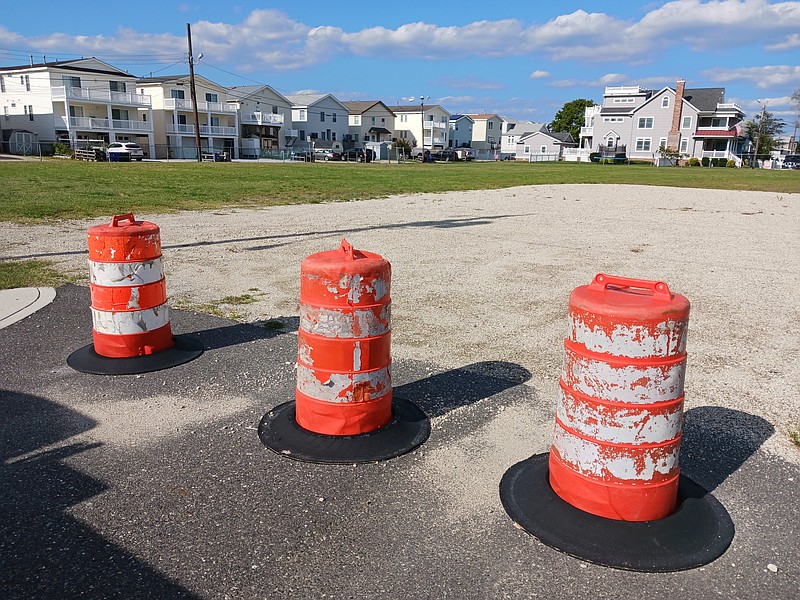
column 33, row 191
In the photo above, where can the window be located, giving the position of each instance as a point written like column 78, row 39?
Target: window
column 2, row 84
column 30, row 112
column 645, row 123
column 543, row 150
column 665, row 102
column 181, row 119
column 177, row 94
column 686, row 123
column 26, row 81
column 211, row 97
column 643, row 144
column 610, row 142
column 357, row 120
column 372, row 120
column 334, row 117
column 274, row 110
column 684, row 146
column 301, row 114
column 613, row 119
column 70, row 81
column 322, row 117
column 403, row 118
column 302, row 134
column 355, row 137
column 215, row 121
column 117, row 86
column 526, row 150
column 119, row 114
column 624, row 100
column 723, row 122
column 491, row 125
column 333, row 136
column 662, row 143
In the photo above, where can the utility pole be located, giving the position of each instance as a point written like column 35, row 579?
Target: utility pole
column 193, row 93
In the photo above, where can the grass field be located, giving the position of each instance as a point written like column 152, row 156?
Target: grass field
column 33, row 191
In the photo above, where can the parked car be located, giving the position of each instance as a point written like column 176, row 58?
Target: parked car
column 444, row 156
column 359, row 155
column 326, row 155
column 124, row 151
column 304, row 155
column 791, row 161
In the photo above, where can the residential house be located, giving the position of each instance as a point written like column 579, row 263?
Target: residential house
column 369, row 121
column 174, row 124
column 461, row 131
column 486, row 132
column 265, row 119
column 543, row 145
column 320, row 120
column 77, row 102
column 696, row 122
column 513, row 131
column 425, row 127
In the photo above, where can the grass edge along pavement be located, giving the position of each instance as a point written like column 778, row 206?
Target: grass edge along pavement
column 32, row 273
column 51, row 190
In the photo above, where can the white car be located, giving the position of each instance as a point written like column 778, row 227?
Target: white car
column 133, row 151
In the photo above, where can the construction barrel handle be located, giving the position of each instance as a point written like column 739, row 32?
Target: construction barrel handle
column 347, row 249
column 115, row 220
column 659, row 288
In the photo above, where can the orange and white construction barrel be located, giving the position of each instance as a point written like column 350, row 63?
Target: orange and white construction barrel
column 344, row 385
column 130, row 315
column 610, row 490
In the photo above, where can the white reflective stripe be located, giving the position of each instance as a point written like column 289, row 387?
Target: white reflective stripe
column 632, row 424
column 125, row 323
column 338, row 323
column 125, row 274
column 667, row 338
column 621, row 463
column 623, row 383
column 339, row 386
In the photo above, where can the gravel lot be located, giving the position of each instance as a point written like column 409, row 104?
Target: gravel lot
column 480, row 287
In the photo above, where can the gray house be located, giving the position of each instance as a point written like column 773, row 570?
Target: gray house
column 543, row 145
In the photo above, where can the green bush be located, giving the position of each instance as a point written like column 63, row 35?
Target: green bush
column 705, row 161
column 731, row 164
column 694, row 162
column 714, row 162
column 62, row 149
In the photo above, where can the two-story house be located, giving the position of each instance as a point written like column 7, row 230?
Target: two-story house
column 369, row 121
column 83, row 102
column 460, row 131
column 513, row 132
column 175, row 127
column 320, row 120
column 696, row 122
column 265, row 118
column 487, row 131
column 425, row 127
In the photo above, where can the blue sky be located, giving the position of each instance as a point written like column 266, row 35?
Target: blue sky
column 519, row 59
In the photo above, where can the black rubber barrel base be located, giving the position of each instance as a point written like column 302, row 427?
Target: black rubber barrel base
column 86, row 360
column 408, row 429
column 699, row 531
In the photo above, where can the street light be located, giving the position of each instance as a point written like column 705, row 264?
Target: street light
column 763, row 104
column 422, row 108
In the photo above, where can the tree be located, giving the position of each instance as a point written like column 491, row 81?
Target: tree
column 763, row 132
column 570, row 117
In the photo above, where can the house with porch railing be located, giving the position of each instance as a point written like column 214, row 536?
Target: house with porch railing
column 265, row 119
column 82, row 102
column 695, row 122
column 175, row 128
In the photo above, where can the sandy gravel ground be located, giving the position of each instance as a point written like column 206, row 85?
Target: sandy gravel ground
column 486, row 275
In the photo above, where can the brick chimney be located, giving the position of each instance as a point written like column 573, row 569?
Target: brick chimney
column 674, row 137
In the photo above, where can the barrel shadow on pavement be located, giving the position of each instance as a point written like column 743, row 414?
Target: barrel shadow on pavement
column 718, row 441
column 443, row 392
column 45, row 552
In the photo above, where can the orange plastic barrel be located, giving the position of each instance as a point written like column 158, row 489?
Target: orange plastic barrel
column 618, row 420
column 130, row 316
column 344, row 356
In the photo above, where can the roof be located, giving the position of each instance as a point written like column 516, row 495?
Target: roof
column 716, row 133
column 379, row 130
column 525, row 128
column 241, row 92
column 705, row 99
column 305, row 99
column 359, row 107
column 481, row 116
column 72, row 65
column 415, row 108
column 561, row 137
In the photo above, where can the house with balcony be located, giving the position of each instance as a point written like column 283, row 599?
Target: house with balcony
column 82, row 102
column 175, row 129
column 264, row 118
column 318, row 121
column 696, row 122
column 425, row 127
column 486, row 132
column 369, row 122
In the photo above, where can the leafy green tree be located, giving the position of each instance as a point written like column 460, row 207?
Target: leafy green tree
column 763, row 132
column 570, row 117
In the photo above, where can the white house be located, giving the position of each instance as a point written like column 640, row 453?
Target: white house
column 174, row 125
column 425, row 127
column 513, row 131
column 320, row 120
column 78, row 102
column 487, row 131
column 265, row 119
column 543, row 145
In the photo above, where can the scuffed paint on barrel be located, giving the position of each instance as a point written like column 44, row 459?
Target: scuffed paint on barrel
column 344, row 355
column 618, row 420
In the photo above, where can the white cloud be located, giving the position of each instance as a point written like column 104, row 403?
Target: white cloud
column 789, row 43
column 540, row 74
column 602, row 81
column 469, row 83
column 761, row 77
